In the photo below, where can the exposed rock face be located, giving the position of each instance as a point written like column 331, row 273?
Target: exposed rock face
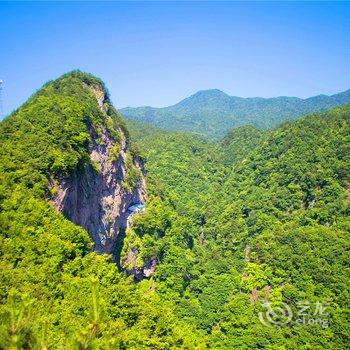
column 98, row 198
column 130, row 263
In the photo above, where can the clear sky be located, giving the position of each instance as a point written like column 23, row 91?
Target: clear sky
column 158, row 53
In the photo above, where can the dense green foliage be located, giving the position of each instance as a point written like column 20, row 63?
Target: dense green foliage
column 54, row 292
column 237, row 144
column 213, row 113
column 276, row 216
column 256, row 215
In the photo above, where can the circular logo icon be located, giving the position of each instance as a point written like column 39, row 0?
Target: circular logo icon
column 278, row 315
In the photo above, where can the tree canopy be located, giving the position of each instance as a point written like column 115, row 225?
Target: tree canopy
column 259, row 215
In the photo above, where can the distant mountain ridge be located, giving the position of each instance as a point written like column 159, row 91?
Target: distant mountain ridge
column 213, row 113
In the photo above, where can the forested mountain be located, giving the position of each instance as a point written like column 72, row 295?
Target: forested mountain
column 56, row 292
column 213, row 113
column 275, row 221
column 258, row 216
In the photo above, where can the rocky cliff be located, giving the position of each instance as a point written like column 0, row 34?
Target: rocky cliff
column 112, row 179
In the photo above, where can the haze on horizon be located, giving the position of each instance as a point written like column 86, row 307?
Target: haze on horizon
column 159, row 53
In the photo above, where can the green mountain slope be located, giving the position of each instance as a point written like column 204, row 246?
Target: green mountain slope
column 289, row 202
column 274, row 223
column 257, row 217
column 214, row 113
column 237, row 144
column 56, row 292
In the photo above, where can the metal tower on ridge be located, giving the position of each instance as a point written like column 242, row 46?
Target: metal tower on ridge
column 1, row 110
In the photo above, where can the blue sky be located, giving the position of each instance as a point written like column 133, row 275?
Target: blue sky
column 158, row 53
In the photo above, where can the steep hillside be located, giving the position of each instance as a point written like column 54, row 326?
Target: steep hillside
column 69, row 138
column 284, row 214
column 67, row 145
column 234, row 232
column 214, row 113
column 274, row 227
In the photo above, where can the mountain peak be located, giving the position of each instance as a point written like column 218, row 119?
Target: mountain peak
column 209, row 94
column 213, row 112
column 78, row 147
column 204, row 97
